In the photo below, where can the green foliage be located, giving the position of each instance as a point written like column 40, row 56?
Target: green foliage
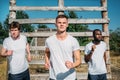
column 42, row 26
column 3, row 33
column 21, row 15
column 78, row 28
column 115, row 40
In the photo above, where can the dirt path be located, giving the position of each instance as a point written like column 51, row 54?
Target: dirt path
column 115, row 73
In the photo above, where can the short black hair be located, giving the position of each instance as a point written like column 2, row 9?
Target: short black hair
column 95, row 31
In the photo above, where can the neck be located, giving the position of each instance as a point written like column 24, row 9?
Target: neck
column 96, row 42
column 61, row 36
column 15, row 38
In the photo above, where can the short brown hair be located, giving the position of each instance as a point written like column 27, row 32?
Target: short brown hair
column 14, row 24
column 61, row 16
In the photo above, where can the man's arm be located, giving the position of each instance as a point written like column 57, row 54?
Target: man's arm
column 88, row 56
column 28, row 52
column 5, row 52
column 77, row 58
column 47, row 58
column 105, row 57
column 77, row 62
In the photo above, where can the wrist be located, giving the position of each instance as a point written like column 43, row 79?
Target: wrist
column 91, row 51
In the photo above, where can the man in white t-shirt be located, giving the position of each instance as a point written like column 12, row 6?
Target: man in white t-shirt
column 95, row 56
column 14, row 48
column 62, row 52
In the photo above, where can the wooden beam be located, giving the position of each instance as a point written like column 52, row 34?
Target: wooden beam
column 79, row 75
column 52, row 21
column 43, row 48
column 53, row 8
column 75, row 34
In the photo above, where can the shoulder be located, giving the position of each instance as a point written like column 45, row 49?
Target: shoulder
column 7, row 39
column 22, row 36
column 71, row 37
column 50, row 38
column 89, row 44
column 103, row 43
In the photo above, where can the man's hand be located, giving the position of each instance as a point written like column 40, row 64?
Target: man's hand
column 29, row 58
column 93, row 47
column 47, row 66
column 9, row 52
column 69, row 64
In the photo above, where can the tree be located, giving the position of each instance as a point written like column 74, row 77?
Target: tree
column 42, row 26
column 3, row 33
column 115, row 40
column 78, row 28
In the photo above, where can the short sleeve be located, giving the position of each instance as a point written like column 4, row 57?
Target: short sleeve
column 25, row 39
column 5, row 44
column 76, row 45
column 87, row 51
column 46, row 43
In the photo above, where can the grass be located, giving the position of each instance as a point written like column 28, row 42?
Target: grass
column 3, row 69
column 115, row 68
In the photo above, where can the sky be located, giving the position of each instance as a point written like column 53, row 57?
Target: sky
column 112, row 6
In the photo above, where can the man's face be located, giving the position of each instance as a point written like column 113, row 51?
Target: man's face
column 98, row 36
column 62, row 24
column 14, row 33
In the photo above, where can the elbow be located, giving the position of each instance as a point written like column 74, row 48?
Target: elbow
column 2, row 55
column 86, row 60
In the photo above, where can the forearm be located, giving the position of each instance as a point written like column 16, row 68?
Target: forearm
column 77, row 57
column 88, row 57
column 28, row 49
column 4, row 52
column 28, row 53
column 76, row 63
column 47, row 58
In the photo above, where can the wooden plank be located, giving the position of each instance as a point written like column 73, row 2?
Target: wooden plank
column 52, row 21
column 43, row 48
column 47, row 34
column 55, row 8
column 42, row 62
column 80, row 76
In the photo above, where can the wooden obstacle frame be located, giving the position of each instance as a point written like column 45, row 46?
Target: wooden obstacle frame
column 104, row 21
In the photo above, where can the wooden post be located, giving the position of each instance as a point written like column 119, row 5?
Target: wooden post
column 61, row 5
column 106, row 30
column 36, row 42
column 12, row 14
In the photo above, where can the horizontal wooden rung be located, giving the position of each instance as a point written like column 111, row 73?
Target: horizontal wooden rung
column 53, row 8
column 52, row 21
column 75, row 34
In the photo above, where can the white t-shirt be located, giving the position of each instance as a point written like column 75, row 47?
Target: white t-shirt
column 97, row 63
column 61, row 51
column 17, row 61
